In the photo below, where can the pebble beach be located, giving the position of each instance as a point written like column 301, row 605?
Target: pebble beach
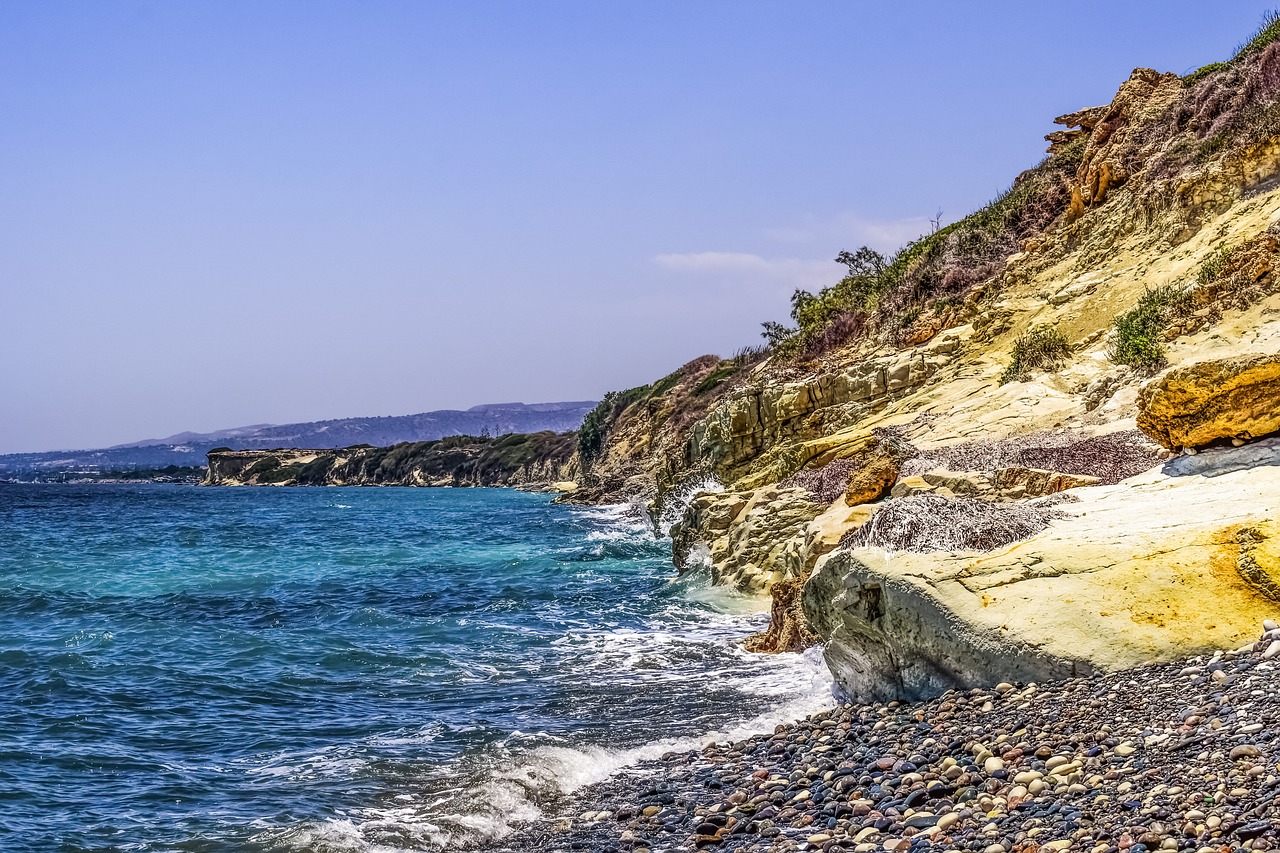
column 1164, row 757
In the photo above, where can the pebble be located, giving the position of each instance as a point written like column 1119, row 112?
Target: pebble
column 1046, row 768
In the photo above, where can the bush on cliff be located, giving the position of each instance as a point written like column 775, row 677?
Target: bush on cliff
column 261, row 466
column 1138, row 331
column 596, row 425
column 1039, row 348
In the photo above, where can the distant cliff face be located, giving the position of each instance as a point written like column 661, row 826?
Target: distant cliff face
column 189, row 448
column 538, row 460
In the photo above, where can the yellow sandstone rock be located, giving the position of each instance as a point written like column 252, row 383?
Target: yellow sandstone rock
column 1203, row 402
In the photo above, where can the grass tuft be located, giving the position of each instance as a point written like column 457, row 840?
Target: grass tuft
column 1039, row 348
column 1268, row 31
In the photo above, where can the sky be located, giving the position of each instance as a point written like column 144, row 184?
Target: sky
column 223, row 213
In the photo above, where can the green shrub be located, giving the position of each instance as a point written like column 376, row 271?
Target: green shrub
column 665, row 384
column 262, row 466
column 596, row 425
column 1214, row 265
column 280, row 473
column 1039, row 348
column 1139, row 330
column 715, row 378
column 867, row 278
column 1202, row 72
column 314, row 472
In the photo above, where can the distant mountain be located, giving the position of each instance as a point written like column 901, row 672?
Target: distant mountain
column 189, row 448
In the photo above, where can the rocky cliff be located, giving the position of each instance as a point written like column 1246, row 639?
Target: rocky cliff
column 979, row 459
column 962, row 464
column 543, row 460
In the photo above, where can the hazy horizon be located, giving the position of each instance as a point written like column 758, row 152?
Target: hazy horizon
column 238, row 213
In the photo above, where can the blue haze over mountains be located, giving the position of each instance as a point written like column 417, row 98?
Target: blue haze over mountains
column 189, row 448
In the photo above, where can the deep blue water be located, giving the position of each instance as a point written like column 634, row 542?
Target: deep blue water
column 262, row 669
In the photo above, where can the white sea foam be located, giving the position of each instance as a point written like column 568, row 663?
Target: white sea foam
column 678, row 501
column 479, row 798
column 521, row 780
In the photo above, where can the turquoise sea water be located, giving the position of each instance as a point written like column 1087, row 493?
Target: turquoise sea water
column 261, row 669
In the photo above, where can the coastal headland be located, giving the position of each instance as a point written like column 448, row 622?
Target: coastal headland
column 1021, row 480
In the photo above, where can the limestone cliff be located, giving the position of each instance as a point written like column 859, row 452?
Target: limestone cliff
column 984, row 386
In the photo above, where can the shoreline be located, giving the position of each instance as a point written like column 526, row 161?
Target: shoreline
column 1163, row 757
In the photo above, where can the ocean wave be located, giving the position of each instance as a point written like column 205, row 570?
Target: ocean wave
column 529, row 776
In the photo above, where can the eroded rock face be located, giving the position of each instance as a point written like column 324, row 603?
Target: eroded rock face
column 758, row 435
column 1197, row 404
column 1171, row 563
column 765, row 541
column 746, row 535
column 788, row 631
column 1111, row 131
column 707, row 518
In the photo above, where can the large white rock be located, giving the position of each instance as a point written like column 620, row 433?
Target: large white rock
column 1178, row 561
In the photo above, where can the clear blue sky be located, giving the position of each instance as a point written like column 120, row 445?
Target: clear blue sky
column 221, row 213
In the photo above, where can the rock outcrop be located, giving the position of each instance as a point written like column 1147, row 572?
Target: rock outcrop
column 762, row 432
column 1159, row 567
column 744, row 535
column 875, row 470
column 1208, row 401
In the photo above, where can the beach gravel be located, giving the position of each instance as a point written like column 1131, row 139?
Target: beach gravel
column 1164, row 757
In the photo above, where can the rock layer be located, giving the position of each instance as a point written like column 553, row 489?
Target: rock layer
column 1154, row 568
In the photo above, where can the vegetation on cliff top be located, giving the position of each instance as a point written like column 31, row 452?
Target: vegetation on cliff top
column 677, row 400
column 931, row 276
column 1231, row 277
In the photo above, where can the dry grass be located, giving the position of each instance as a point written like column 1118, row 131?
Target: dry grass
column 936, row 523
column 1039, row 348
column 1111, row 457
column 826, row 483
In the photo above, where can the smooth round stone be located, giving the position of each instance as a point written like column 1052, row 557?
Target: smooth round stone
column 992, row 764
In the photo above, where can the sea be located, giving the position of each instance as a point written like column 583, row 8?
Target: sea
column 349, row 669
